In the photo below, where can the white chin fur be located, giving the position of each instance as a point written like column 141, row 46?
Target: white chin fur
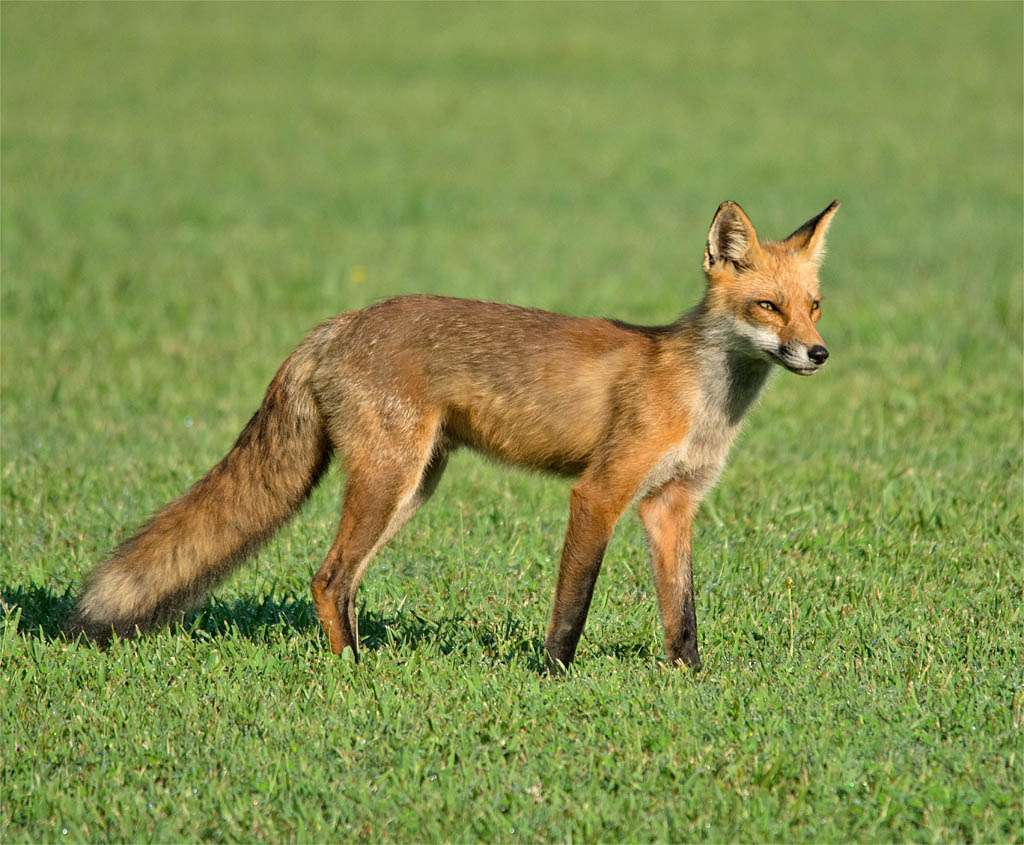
column 763, row 340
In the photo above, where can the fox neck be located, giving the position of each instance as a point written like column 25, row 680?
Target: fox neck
column 730, row 376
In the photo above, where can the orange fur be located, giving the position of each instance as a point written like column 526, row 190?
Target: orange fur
column 634, row 413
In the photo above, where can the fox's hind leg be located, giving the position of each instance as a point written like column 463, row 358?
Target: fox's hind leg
column 387, row 483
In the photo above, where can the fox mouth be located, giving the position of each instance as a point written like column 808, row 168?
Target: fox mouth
column 807, row 370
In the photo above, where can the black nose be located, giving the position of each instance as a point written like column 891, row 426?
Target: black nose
column 818, row 354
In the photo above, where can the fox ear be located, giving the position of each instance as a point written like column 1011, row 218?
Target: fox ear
column 731, row 238
column 809, row 239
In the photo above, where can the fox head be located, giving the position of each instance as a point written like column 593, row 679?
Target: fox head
column 766, row 293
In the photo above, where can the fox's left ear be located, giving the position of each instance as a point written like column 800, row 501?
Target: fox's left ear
column 809, row 239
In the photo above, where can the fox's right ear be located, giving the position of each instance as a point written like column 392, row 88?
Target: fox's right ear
column 731, row 238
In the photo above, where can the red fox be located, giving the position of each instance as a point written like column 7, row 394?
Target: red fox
column 634, row 413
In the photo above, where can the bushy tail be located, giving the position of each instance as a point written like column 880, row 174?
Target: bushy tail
column 195, row 541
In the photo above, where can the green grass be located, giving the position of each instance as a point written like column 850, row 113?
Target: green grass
column 187, row 189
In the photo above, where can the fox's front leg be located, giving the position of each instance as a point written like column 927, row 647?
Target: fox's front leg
column 593, row 513
column 667, row 515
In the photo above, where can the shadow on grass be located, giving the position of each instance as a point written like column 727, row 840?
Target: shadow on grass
column 41, row 613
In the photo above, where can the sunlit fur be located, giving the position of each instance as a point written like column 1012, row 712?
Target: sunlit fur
column 784, row 273
column 635, row 414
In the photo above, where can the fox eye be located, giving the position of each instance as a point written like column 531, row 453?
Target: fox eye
column 768, row 305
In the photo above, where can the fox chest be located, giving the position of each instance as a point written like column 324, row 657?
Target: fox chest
column 697, row 459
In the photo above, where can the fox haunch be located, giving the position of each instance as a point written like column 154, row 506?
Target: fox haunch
column 635, row 414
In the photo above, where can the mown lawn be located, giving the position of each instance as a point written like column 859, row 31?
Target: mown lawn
column 187, row 189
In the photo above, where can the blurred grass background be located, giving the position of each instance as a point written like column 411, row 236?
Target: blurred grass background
column 186, row 189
